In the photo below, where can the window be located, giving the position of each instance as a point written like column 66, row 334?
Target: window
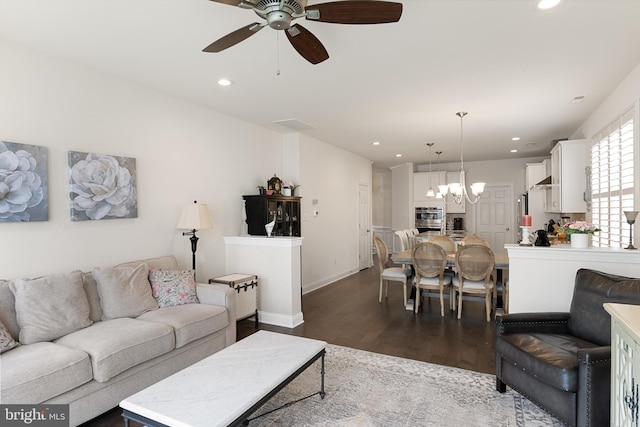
column 612, row 181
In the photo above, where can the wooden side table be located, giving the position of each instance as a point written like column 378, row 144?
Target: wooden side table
column 246, row 287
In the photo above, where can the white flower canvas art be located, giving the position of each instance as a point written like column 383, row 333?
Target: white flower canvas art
column 102, row 186
column 23, row 183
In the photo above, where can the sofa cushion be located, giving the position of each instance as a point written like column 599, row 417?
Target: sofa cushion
column 173, row 287
column 8, row 309
column 38, row 372
column 119, row 344
column 6, row 340
column 190, row 321
column 587, row 317
column 553, row 357
column 124, row 291
column 50, row 306
column 91, row 289
column 165, row 262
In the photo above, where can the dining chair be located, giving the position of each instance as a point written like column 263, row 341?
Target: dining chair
column 475, row 265
column 404, row 239
column 474, row 239
column 445, row 242
column 430, row 261
column 390, row 274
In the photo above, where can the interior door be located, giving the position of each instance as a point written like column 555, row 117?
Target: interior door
column 364, row 227
column 494, row 216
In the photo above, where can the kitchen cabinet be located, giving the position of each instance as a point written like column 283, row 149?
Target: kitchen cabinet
column 261, row 210
column 568, row 177
column 421, row 182
column 625, row 363
column 454, row 208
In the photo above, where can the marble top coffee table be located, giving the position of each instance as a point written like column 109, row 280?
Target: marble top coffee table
column 227, row 387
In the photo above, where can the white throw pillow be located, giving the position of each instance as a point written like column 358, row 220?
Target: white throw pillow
column 124, row 291
column 50, row 306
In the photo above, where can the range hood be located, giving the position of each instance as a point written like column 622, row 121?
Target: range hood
column 543, row 185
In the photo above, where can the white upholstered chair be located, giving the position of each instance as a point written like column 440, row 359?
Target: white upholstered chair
column 390, row 274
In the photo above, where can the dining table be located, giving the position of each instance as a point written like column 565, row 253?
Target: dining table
column 501, row 268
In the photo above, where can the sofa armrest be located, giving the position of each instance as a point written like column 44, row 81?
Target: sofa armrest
column 532, row 322
column 222, row 295
column 594, row 386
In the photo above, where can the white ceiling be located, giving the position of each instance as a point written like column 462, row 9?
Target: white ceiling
column 513, row 68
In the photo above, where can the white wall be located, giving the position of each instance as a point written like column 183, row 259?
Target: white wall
column 329, row 175
column 183, row 152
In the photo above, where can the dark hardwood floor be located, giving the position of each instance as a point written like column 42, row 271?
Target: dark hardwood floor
column 347, row 313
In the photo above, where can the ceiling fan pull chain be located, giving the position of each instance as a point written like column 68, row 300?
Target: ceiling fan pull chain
column 277, row 53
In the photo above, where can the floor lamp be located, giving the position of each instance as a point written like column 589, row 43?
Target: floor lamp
column 194, row 217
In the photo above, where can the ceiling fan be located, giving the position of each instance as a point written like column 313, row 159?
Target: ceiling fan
column 278, row 14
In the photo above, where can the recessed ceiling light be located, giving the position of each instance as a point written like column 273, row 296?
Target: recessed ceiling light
column 225, row 82
column 578, row 98
column 515, row 138
column 514, row 151
column 547, row 4
column 376, row 142
column 398, row 155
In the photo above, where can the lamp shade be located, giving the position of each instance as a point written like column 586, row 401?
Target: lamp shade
column 194, row 217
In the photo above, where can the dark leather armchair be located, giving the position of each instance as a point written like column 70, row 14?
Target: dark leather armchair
column 562, row 361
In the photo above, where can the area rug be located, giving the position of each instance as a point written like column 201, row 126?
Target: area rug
column 369, row 389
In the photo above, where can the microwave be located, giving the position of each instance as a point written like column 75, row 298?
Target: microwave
column 430, row 219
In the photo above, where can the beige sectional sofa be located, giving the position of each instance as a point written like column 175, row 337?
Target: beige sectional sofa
column 91, row 339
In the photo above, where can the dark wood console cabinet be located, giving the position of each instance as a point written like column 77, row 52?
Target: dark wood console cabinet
column 261, row 210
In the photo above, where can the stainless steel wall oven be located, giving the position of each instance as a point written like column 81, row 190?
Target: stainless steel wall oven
column 430, row 219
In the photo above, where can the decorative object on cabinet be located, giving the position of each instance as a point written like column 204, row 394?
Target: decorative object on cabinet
column 102, row 186
column 283, row 210
column 631, row 219
column 261, row 190
column 269, row 227
column 194, row 217
column 24, row 196
column 562, row 360
column 459, row 189
column 275, row 185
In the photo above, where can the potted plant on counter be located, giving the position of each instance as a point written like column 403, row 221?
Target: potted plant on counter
column 578, row 232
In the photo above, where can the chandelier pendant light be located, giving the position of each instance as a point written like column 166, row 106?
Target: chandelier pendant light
column 439, row 194
column 458, row 190
column 430, row 192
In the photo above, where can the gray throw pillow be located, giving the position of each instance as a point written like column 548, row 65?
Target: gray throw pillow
column 50, row 306
column 124, row 291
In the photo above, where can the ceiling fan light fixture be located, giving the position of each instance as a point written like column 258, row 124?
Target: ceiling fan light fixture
column 547, row 4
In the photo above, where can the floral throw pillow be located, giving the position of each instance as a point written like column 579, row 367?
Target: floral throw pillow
column 173, row 287
column 6, row 340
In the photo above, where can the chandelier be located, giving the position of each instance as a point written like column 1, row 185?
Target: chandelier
column 458, row 190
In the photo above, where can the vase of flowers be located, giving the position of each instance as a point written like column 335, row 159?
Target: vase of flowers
column 578, row 232
column 289, row 188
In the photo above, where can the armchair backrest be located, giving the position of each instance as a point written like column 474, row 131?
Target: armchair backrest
column 587, row 317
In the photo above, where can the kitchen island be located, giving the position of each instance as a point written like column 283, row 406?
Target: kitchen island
column 542, row 278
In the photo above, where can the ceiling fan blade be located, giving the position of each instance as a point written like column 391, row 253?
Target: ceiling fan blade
column 245, row 4
column 355, row 12
column 306, row 44
column 233, row 38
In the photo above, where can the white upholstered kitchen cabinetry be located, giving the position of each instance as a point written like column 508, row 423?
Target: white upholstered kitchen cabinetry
column 625, row 363
column 568, row 177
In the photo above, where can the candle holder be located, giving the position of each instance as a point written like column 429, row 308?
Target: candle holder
column 525, row 236
column 631, row 219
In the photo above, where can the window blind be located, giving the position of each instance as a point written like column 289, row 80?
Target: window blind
column 612, row 181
